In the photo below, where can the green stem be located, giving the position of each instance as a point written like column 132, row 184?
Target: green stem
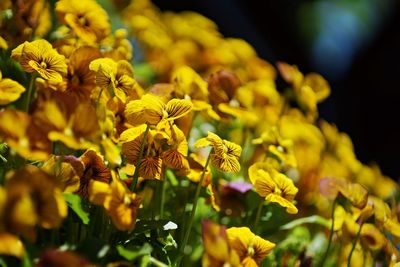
column 139, row 161
column 193, row 212
column 30, row 89
column 157, row 262
column 162, row 198
column 330, row 234
column 354, row 245
column 258, row 215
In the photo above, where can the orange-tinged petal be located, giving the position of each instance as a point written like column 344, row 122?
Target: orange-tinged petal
column 98, row 192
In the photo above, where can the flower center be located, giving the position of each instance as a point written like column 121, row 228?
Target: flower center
column 250, row 251
column 127, row 201
column 75, row 80
column 43, row 65
column 83, row 21
column 278, row 191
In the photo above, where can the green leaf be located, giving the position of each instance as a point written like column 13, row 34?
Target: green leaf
column 2, row 262
column 315, row 219
column 130, row 255
column 26, row 262
column 74, row 202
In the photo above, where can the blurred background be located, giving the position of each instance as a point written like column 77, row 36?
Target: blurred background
column 355, row 44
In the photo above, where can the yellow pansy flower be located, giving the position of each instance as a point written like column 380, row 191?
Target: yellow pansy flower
column 3, row 43
column 273, row 186
column 41, row 57
column 217, row 250
column 73, row 124
column 11, row 245
column 33, row 198
column 222, row 86
column 151, row 161
column 310, row 89
column 94, row 168
column 225, row 154
column 150, row 109
column 196, row 168
column 331, row 187
column 188, row 83
column 174, row 156
column 10, row 90
column 251, row 248
column 23, row 135
column 116, row 77
column 120, row 203
column 86, row 18
column 278, row 146
column 67, row 170
column 80, row 80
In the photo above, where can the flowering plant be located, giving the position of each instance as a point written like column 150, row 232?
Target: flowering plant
column 182, row 152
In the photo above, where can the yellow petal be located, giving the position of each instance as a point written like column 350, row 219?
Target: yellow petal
column 10, row 91
column 11, row 245
column 177, row 108
column 132, row 133
column 98, row 192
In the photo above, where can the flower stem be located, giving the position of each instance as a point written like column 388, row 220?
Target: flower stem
column 330, row 234
column 30, row 89
column 354, row 245
column 258, row 215
column 157, row 263
column 162, row 198
column 139, row 161
column 193, row 212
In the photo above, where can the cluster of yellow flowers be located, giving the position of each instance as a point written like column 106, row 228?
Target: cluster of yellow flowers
column 83, row 136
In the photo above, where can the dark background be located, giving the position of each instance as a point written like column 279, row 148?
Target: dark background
column 355, row 44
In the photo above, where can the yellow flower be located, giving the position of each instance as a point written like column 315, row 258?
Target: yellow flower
column 67, row 170
column 251, row 248
column 196, row 168
column 331, row 187
column 222, row 87
column 94, row 169
column 116, row 77
column 33, row 197
column 22, row 134
column 247, row 117
column 3, row 43
column 188, row 83
column 273, row 186
column 10, row 90
column 74, row 124
column 86, row 18
column 150, row 109
column 217, row 250
column 151, row 163
column 120, row 203
column 310, row 89
column 225, row 155
column 11, row 245
column 40, row 56
column 81, row 81
column 177, row 150
column 279, row 147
